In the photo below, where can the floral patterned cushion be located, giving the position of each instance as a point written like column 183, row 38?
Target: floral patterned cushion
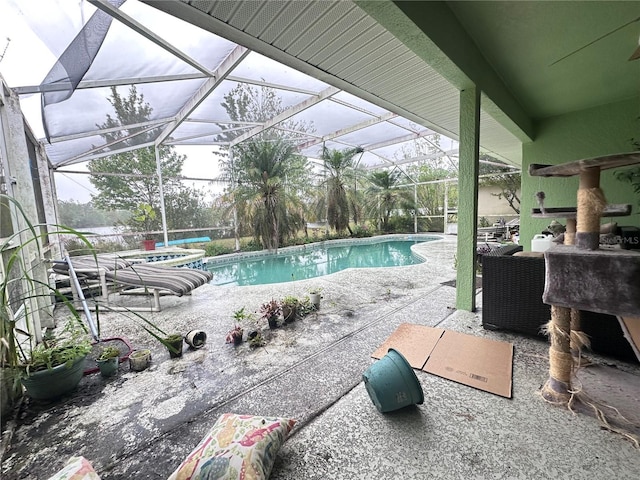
column 77, row 468
column 237, row 447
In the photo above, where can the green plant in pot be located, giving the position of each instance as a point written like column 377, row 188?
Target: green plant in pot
column 271, row 312
column 315, row 294
column 47, row 365
column 144, row 217
column 173, row 342
column 108, row 360
column 289, row 307
column 240, row 318
column 55, row 367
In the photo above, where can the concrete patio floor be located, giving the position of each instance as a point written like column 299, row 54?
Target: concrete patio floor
column 141, row 425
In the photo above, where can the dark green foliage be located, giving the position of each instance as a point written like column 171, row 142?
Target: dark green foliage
column 340, row 168
column 632, row 176
column 384, row 196
column 266, row 201
column 212, row 249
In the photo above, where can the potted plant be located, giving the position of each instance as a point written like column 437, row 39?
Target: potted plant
column 173, row 342
column 240, row 317
column 47, row 367
column 257, row 340
column 271, row 312
column 315, row 296
column 108, row 361
column 235, row 335
column 144, row 216
column 289, row 307
column 53, row 365
column 139, row 359
column 56, row 366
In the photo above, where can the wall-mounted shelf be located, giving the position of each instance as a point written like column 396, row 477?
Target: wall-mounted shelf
column 613, row 210
column 577, row 167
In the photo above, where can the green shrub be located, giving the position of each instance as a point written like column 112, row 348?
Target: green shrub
column 213, row 249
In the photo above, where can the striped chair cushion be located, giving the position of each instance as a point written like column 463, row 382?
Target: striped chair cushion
column 178, row 281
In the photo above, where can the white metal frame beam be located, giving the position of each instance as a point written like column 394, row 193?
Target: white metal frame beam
column 76, row 136
column 227, row 65
column 288, row 113
column 347, row 130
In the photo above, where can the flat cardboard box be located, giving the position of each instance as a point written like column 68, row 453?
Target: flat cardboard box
column 631, row 329
column 414, row 342
column 478, row 362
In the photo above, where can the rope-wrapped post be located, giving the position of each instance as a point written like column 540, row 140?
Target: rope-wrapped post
column 591, row 203
column 558, row 386
column 579, row 339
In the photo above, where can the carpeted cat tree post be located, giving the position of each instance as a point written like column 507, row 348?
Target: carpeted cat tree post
column 591, row 203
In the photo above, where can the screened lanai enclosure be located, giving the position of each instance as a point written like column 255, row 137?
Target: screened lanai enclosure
column 75, row 66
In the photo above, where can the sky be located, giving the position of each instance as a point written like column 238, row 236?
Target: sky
column 17, row 43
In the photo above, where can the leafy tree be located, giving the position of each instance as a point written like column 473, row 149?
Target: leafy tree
column 255, row 106
column 82, row 215
column 139, row 185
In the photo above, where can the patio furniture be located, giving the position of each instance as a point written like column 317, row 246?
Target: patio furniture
column 112, row 273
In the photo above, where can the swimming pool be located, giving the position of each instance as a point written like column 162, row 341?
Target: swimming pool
column 298, row 263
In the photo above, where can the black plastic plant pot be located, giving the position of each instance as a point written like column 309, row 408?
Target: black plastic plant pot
column 174, row 345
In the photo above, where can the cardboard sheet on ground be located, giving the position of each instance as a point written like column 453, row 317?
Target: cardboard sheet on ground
column 631, row 329
column 478, row 362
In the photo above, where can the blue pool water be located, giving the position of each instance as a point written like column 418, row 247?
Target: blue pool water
column 314, row 262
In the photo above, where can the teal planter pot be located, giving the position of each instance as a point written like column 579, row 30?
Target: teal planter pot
column 108, row 367
column 55, row 382
column 392, row 384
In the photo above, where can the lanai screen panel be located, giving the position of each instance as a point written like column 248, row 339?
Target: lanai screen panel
column 170, row 62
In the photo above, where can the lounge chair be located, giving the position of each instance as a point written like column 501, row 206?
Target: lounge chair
column 128, row 278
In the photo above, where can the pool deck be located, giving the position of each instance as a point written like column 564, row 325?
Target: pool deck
column 141, row 425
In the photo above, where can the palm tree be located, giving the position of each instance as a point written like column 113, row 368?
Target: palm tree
column 262, row 195
column 339, row 165
column 384, row 193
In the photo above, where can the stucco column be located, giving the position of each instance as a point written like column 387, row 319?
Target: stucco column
column 468, row 198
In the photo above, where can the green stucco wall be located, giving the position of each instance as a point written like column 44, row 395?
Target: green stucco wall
column 588, row 133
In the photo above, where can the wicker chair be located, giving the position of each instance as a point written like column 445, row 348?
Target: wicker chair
column 512, row 290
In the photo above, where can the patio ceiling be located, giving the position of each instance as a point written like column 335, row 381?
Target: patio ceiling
column 532, row 60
